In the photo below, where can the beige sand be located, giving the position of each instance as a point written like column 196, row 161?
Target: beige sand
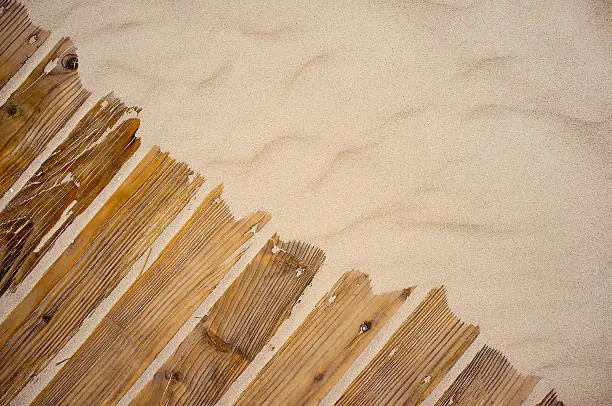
column 464, row 143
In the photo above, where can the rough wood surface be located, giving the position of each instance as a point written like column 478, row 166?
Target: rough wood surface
column 150, row 313
column 324, row 346
column 238, row 326
column 550, row 400
column 416, row 357
column 19, row 38
column 37, row 110
column 63, row 187
column 93, row 265
column 489, row 379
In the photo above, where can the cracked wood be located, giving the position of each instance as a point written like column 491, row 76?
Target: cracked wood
column 324, row 346
column 63, row 187
column 416, row 357
column 150, row 313
column 37, row 110
column 91, row 267
column 489, row 379
column 238, row 326
column 19, row 38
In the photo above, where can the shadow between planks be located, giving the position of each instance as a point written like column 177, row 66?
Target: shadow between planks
column 158, row 303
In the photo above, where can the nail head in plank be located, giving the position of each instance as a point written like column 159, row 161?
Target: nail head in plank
column 153, row 309
column 416, row 357
column 324, row 346
column 91, row 267
column 37, row 110
column 64, row 186
column 238, row 326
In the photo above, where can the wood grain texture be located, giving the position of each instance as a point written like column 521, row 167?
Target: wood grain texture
column 37, row 110
column 550, row 400
column 91, row 267
column 63, row 187
column 324, row 346
column 416, row 357
column 19, row 38
column 489, row 379
column 150, row 313
column 238, row 326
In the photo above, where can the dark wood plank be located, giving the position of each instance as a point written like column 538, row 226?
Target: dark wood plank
column 150, row 313
column 416, row 357
column 19, row 38
column 63, row 187
column 238, row 326
column 489, row 379
column 91, row 267
column 37, row 110
column 324, row 346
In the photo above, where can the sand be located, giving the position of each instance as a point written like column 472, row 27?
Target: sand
column 464, row 143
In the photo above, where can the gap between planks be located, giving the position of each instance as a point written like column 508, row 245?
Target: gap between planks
column 91, row 267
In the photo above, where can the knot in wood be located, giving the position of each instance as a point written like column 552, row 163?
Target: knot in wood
column 12, row 110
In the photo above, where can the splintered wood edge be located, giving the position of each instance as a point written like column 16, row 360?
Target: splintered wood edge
column 416, row 357
column 213, row 217
column 51, row 95
column 229, row 324
column 489, row 377
column 550, row 400
column 349, row 311
column 176, row 184
column 98, row 132
column 24, row 40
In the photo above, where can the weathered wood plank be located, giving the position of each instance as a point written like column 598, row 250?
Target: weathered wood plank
column 63, row 187
column 19, row 38
column 93, row 265
column 150, row 313
column 238, row 326
column 489, row 379
column 416, row 357
column 324, row 346
column 550, row 400
column 37, row 110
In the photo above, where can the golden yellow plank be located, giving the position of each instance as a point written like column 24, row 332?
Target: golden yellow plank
column 91, row 267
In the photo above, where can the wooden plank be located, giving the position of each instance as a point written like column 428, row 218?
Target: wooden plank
column 550, row 400
column 324, row 346
column 238, row 326
column 19, row 38
column 150, row 313
column 489, row 379
column 37, row 110
column 63, row 187
column 91, row 267
column 416, row 357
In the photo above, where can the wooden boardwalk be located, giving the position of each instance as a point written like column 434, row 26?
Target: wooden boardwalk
column 141, row 324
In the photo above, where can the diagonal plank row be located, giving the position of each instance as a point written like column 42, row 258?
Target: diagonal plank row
column 37, row 110
column 238, row 326
column 153, row 309
column 325, row 345
column 91, row 267
column 149, row 314
column 63, row 187
column 19, row 38
column 415, row 358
